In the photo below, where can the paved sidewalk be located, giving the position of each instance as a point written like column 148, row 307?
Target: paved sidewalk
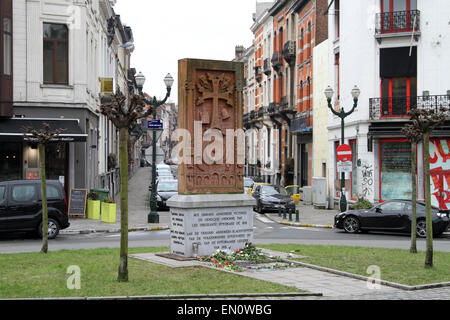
column 308, row 217
column 139, row 208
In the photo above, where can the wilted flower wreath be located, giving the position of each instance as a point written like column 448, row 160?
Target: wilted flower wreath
column 228, row 261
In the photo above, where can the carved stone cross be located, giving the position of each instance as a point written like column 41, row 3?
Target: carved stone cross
column 216, row 87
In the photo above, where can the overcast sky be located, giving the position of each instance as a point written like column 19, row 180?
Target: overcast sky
column 168, row 30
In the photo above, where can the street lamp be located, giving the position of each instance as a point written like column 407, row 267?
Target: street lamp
column 342, row 114
column 153, row 216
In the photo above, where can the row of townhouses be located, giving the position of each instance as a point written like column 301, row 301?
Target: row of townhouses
column 393, row 51
column 57, row 60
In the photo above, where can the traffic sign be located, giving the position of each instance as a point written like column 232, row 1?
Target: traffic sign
column 155, row 124
column 344, row 152
column 344, row 166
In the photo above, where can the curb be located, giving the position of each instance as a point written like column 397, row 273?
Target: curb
column 116, row 230
column 183, row 297
column 297, row 224
column 381, row 282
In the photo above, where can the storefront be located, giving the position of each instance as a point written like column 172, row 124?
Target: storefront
column 19, row 158
column 395, row 169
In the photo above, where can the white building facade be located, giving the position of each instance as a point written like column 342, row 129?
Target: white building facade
column 395, row 52
column 61, row 52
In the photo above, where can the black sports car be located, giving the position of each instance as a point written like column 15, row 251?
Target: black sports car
column 165, row 190
column 268, row 198
column 393, row 216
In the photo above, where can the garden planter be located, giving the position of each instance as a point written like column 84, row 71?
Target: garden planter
column 108, row 212
column 93, row 209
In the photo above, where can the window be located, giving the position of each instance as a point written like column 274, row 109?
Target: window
column 398, row 15
column 392, row 206
column 23, row 193
column 2, row 194
column 398, row 72
column 56, row 45
column 395, row 172
column 7, row 50
column 52, row 192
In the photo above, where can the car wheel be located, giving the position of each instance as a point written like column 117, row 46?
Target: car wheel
column 351, row 225
column 53, row 229
column 421, row 228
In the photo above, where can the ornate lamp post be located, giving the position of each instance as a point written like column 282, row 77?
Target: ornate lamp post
column 342, row 114
column 153, row 216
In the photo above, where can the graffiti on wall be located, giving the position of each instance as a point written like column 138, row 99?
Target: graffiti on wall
column 367, row 179
column 440, row 172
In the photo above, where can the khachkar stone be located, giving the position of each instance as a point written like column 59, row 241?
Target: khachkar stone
column 211, row 210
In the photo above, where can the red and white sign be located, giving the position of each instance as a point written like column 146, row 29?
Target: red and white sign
column 344, row 153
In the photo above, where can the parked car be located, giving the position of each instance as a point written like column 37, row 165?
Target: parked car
column 392, row 215
column 268, row 198
column 253, row 186
column 164, row 191
column 21, row 207
column 294, row 192
column 248, row 182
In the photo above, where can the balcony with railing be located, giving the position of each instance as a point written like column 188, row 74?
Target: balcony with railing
column 258, row 73
column 276, row 61
column 302, row 124
column 397, row 23
column 398, row 107
column 267, row 68
column 289, row 51
column 272, row 107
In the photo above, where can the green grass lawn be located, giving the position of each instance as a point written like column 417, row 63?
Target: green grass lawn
column 396, row 265
column 35, row 275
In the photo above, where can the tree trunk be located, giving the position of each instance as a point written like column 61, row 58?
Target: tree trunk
column 413, row 248
column 429, row 220
column 123, row 162
column 44, row 248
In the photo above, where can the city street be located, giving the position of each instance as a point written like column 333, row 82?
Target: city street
column 265, row 232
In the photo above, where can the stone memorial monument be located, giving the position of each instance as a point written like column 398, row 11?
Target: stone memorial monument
column 211, row 210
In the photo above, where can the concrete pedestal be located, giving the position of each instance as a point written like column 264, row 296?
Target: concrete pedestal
column 201, row 224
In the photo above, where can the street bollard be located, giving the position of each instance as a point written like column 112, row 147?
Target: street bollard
column 290, row 214
column 284, row 213
column 279, row 212
column 297, row 216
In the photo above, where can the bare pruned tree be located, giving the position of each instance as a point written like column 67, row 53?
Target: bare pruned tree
column 42, row 137
column 123, row 113
column 423, row 122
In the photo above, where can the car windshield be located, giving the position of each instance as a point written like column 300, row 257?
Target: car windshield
column 268, row 190
column 248, row 183
column 292, row 190
column 168, row 186
column 283, row 191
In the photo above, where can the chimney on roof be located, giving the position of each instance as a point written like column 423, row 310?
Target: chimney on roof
column 239, row 52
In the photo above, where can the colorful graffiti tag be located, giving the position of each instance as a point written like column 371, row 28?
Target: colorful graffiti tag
column 440, row 172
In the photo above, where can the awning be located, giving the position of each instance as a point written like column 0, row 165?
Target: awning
column 12, row 129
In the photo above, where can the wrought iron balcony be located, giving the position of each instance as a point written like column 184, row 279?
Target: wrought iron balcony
column 398, row 107
column 258, row 74
column 284, row 104
column 276, row 61
column 302, row 123
column 289, row 51
column 267, row 68
column 252, row 115
column 245, row 118
column 272, row 107
column 397, row 22
column 260, row 113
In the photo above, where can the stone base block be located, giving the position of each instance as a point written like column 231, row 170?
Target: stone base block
column 201, row 224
